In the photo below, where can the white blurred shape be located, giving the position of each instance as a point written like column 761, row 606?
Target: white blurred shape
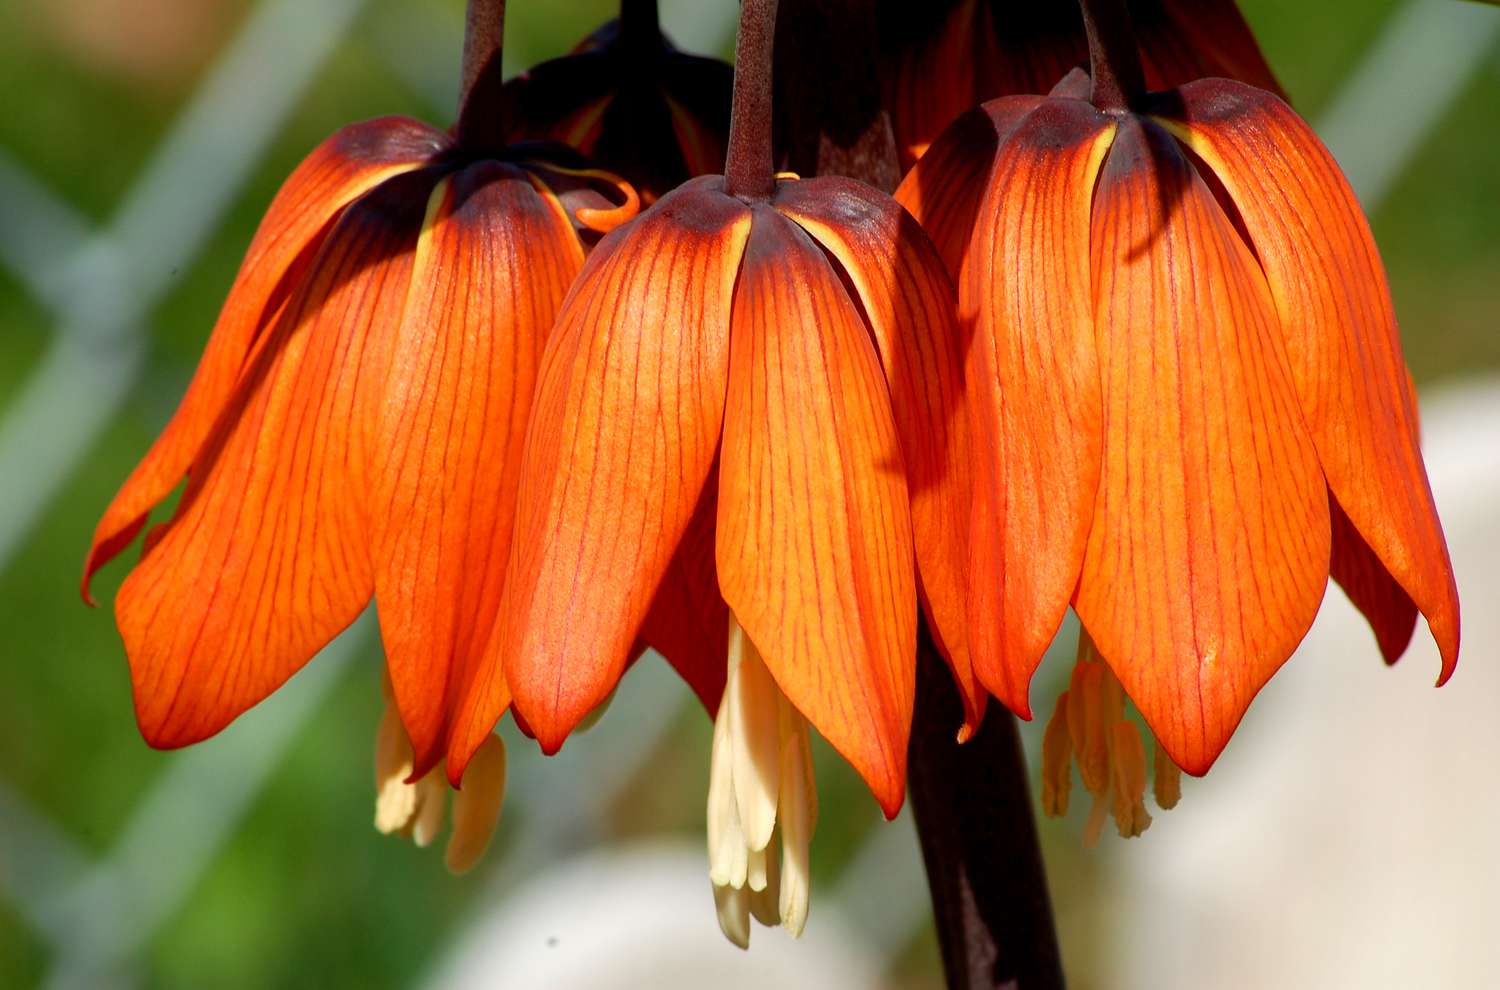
column 1347, row 838
column 642, row 918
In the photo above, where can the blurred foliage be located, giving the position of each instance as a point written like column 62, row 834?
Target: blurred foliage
column 306, row 893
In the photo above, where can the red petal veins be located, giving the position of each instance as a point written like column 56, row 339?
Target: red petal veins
column 906, row 296
column 267, row 558
column 1034, row 390
column 814, row 550
column 1340, row 335
column 944, row 190
column 492, row 266
column 341, row 169
column 688, row 622
column 624, row 428
column 1209, row 551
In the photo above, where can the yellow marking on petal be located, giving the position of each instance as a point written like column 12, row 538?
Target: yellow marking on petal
column 787, row 177
column 476, row 808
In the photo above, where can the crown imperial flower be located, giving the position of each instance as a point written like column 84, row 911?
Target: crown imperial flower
column 354, row 429
column 631, row 101
column 1187, row 399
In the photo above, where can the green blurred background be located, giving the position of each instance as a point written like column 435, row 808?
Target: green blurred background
column 114, row 268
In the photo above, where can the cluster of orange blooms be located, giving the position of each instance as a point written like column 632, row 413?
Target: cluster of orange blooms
column 556, row 398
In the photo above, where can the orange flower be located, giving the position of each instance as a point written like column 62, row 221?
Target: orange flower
column 630, row 101
column 1188, row 406
column 940, row 61
column 713, row 437
column 354, row 428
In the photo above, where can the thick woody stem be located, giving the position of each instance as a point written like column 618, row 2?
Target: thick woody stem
column 479, row 115
column 1114, row 57
column 979, row 841
column 640, row 25
column 749, row 171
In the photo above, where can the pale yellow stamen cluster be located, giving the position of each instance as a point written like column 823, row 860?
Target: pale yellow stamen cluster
column 762, row 803
column 416, row 810
column 1089, row 727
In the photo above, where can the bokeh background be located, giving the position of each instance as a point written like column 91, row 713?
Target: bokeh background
column 1345, row 839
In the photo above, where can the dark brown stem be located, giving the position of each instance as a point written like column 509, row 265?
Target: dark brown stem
column 479, row 117
column 830, row 116
column 640, row 26
column 1114, row 56
column 749, row 172
column 973, row 811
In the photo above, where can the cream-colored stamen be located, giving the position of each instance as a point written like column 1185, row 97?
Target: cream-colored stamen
column 416, row 810
column 432, row 807
column 1089, row 727
column 476, row 807
column 762, row 802
column 395, row 799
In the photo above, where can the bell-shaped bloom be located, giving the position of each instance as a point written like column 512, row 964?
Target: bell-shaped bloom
column 354, row 428
column 1187, row 399
column 746, row 410
column 632, row 102
column 939, row 60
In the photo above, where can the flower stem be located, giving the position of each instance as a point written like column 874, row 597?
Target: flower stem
column 479, row 117
column 1114, row 56
column 749, row 172
column 640, row 25
column 830, row 115
column 984, row 867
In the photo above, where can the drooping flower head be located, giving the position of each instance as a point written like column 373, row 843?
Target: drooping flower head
column 631, row 101
column 941, row 59
column 1188, row 405
column 354, row 429
column 741, row 450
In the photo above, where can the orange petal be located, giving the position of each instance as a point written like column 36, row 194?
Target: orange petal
column 975, row 56
column 267, row 557
column 1390, row 610
column 1210, row 546
column 688, row 622
column 1033, row 389
column 944, row 190
column 625, row 424
column 814, row 552
column 1192, row 39
column 1340, row 333
column 908, row 300
column 492, row 265
column 340, row 170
